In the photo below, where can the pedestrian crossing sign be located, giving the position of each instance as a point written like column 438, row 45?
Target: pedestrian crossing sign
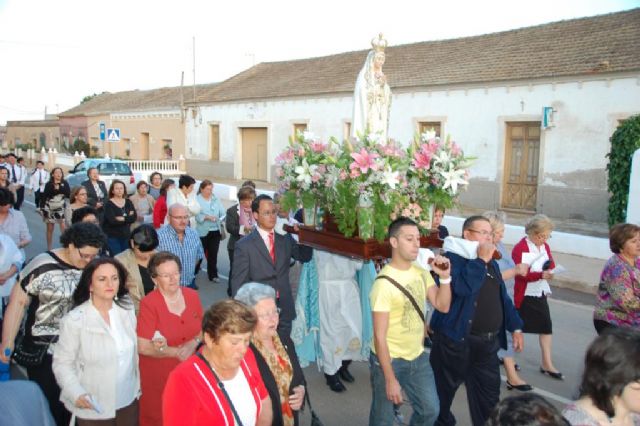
column 113, row 135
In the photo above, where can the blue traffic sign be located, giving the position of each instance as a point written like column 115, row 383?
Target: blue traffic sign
column 113, row 135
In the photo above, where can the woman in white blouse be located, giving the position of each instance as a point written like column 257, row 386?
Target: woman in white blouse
column 185, row 195
column 96, row 359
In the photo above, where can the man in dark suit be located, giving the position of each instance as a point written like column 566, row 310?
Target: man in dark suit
column 96, row 191
column 264, row 256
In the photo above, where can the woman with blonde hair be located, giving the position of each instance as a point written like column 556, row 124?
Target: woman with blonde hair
column 532, row 289
column 509, row 270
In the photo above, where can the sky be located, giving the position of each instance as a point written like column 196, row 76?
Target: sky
column 53, row 53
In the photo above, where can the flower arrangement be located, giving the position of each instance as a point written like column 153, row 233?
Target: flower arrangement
column 301, row 170
column 437, row 173
column 367, row 182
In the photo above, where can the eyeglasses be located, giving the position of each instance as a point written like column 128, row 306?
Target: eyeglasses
column 180, row 217
column 269, row 315
column 269, row 213
column 544, row 236
column 86, row 257
column 167, row 276
column 483, row 233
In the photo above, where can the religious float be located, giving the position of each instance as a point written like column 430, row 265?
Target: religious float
column 352, row 190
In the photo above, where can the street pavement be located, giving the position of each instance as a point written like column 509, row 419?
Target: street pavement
column 573, row 331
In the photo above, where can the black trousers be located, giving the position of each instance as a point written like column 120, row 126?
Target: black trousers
column 230, row 271
column 36, row 196
column 19, row 198
column 43, row 376
column 210, row 245
column 473, row 362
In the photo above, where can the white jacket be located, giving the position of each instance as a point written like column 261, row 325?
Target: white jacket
column 85, row 359
column 190, row 202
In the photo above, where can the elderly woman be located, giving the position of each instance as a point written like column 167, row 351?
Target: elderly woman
column 208, row 226
column 143, row 203
column 169, row 324
column 45, row 288
column 96, row 361
column 185, row 195
column 160, row 207
column 610, row 388
column 618, row 300
column 221, row 384
column 532, row 289
column 143, row 243
column 275, row 354
column 13, row 222
column 239, row 222
column 155, row 182
column 508, row 270
column 77, row 200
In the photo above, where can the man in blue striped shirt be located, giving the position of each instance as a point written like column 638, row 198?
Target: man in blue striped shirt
column 177, row 238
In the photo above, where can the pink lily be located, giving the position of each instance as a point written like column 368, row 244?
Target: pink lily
column 363, row 161
column 421, row 160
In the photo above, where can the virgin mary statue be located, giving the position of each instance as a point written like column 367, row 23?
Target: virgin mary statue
column 372, row 95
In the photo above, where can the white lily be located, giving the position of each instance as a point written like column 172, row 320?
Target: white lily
column 305, row 172
column 442, row 158
column 453, row 178
column 390, row 177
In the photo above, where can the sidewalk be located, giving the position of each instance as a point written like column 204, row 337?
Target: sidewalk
column 583, row 273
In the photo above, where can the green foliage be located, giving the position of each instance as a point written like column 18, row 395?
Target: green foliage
column 88, row 98
column 342, row 204
column 95, row 150
column 624, row 142
column 81, row 145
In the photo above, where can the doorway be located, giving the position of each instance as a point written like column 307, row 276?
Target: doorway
column 521, row 168
column 254, row 153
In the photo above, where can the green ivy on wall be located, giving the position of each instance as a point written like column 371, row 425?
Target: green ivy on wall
column 624, row 142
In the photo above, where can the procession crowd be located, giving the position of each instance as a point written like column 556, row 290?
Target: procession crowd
column 110, row 326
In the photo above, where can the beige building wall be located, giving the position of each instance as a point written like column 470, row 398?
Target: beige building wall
column 143, row 135
column 32, row 132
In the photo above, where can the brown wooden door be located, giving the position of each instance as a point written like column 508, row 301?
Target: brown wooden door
column 144, row 147
column 522, row 156
column 254, row 153
column 215, row 142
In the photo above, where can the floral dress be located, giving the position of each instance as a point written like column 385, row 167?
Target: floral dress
column 618, row 300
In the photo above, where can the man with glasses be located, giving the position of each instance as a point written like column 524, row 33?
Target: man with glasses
column 177, row 238
column 264, row 256
column 467, row 338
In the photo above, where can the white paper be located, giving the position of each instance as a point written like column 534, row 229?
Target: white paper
column 559, row 269
column 157, row 336
column 94, row 403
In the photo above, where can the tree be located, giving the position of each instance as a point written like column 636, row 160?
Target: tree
column 624, row 142
column 88, row 98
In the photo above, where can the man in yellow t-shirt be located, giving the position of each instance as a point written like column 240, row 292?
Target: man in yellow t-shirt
column 398, row 360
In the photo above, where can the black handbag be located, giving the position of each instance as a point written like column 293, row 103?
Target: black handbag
column 30, row 352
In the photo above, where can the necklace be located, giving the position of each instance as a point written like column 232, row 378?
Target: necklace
column 174, row 300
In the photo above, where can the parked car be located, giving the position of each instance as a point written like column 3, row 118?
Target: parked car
column 108, row 169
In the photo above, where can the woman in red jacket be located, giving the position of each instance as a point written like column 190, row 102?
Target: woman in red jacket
column 221, row 383
column 531, row 291
column 160, row 207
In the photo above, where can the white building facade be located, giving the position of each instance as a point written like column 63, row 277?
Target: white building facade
column 559, row 170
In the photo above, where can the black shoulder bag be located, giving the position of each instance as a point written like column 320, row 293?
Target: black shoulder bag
column 221, row 386
column 406, row 293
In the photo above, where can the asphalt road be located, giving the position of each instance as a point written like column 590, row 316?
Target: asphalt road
column 573, row 331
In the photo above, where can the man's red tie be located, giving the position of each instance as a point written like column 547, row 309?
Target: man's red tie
column 272, row 247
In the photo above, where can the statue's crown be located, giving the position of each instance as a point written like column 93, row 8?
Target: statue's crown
column 379, row 43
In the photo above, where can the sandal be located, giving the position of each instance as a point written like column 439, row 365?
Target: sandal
column 553, row 374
